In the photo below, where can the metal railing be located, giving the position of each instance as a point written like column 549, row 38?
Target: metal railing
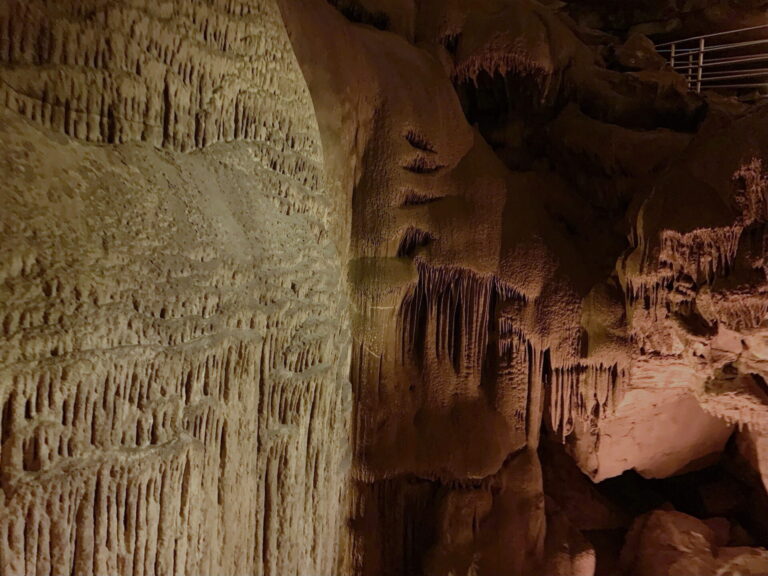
column 721, row 61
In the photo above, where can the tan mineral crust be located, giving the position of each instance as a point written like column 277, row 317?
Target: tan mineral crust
column 175, row 338
column 377, row 288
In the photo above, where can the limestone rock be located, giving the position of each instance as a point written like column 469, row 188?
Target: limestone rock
column 646, row 420
column 669, row 543
column 753, row 447
column 639, row 53
column 494, row 294
column 173, row 326
column 312, row 287
column 675, row 544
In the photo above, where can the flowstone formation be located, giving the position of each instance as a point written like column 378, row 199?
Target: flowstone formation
column 556, row 260
column 377, row 288
column 174, row 340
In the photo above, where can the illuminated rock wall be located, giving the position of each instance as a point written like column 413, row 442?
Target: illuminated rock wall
column 174, row 342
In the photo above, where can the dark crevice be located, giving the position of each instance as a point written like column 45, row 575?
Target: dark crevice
column 512, row 113
column 422, row 165
column 419, row 141
column 728, row 489
column 450, row 42
column 413, row 239
column 413, row 198
column 356, row 12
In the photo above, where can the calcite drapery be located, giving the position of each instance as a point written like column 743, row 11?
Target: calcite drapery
column 505, row 271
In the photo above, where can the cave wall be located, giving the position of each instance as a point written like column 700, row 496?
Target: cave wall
column 544, row 250
column 377, row 288
column 453, row 294
column 174, row 335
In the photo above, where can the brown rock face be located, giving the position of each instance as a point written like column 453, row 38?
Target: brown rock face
column 374, row 287
column 666, row 542
column 523, row 272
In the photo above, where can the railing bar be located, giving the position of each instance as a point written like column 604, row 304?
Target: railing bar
column 731, row 59
column 717, row 62
column 734, row 68
column 679, row 50
column 748, row 71
column 701, row 67
column 689, row 75
column 720, row 47
column 760, row 85
column 712, row 35
column 734, row 76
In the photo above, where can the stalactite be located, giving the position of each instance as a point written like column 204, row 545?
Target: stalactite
column 458, row 305
column 700, row 254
